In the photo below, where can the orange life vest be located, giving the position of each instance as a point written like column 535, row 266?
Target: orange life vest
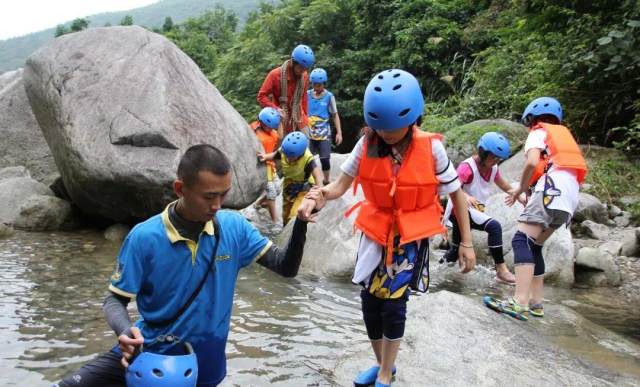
column 269, row 139
column 562, row 151
column 406, row 203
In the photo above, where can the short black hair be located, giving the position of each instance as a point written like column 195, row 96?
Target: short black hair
column 202, row 157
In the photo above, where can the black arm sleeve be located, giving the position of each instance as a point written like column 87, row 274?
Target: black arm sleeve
column 115, row 312
column 286, row 262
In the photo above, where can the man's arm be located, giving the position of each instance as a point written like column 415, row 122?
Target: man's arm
column 286, row 261
column 115, row 312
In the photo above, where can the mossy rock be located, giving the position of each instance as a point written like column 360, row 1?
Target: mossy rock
column 461, row 141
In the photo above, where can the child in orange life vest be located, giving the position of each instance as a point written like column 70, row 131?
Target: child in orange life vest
column 299, row 172
column 401, row 170
column 266, row 131
column 477, row 174
column 555, row 168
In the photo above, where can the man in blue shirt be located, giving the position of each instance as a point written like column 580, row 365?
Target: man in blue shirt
column 167, row 259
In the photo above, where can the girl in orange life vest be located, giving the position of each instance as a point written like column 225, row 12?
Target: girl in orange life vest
column 555, row 168
column 401, row 170
column 266, row 131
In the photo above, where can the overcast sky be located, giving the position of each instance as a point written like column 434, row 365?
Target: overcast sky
column 20, row 17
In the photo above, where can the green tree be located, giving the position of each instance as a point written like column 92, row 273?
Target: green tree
column 127, row 21
column 79, row 24
column 168, row 24
column 61, row 29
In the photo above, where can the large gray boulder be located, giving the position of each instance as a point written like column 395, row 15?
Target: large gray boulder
column 595, row 230
column 558, row 249
column 601, row 260
column 453, row 340
column 461, row 141
column 332, row 242
column 590, row 208
column 22, row 141
column 14, row 192
column 44, row 213
column 118, row 107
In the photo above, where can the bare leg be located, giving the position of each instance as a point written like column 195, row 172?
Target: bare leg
column 524, row 273
column 377, row 349
column 327, row 174
column 389, row 353
column 271, row 206
column 537, row 289
column 537, row 285
column 524, row 277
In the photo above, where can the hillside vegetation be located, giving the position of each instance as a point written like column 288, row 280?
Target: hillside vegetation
column 13, row 52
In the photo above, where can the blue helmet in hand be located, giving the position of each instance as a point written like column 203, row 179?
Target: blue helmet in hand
column 392, row 100
column 303, row 55
column 155, row 370
column 495, row 143
column 540, row 106
column 318, row 76
column 269, row 117
column 294, row 144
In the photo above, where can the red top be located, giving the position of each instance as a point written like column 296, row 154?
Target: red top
column 269, row 94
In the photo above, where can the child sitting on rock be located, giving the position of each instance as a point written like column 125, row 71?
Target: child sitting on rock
column 477, row 174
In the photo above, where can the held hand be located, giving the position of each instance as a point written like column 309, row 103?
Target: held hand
column 317, row 194
column 338, row 138
column 129, row 345
column 305, row 209
column 261, row 157
column 466, row 259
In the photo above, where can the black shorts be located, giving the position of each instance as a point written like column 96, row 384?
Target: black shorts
column 384, row 317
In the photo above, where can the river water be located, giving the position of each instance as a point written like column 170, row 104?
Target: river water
column 285, row 332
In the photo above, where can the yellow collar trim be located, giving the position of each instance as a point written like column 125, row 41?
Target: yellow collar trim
column 173, row 234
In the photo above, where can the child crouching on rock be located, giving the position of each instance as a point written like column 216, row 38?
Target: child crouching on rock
column 401, row 170
column 477, row 174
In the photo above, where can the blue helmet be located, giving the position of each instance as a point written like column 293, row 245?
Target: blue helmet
column 303, row 55
column 155, row 370
column 495, row 143
column 318, row 76
column 540, row 106
column 294, row 144
column 392, row 100
column 269, row 117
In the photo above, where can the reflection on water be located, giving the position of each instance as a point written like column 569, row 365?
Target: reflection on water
column 284, row 332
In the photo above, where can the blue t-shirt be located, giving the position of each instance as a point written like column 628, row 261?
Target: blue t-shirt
column 161, row 269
